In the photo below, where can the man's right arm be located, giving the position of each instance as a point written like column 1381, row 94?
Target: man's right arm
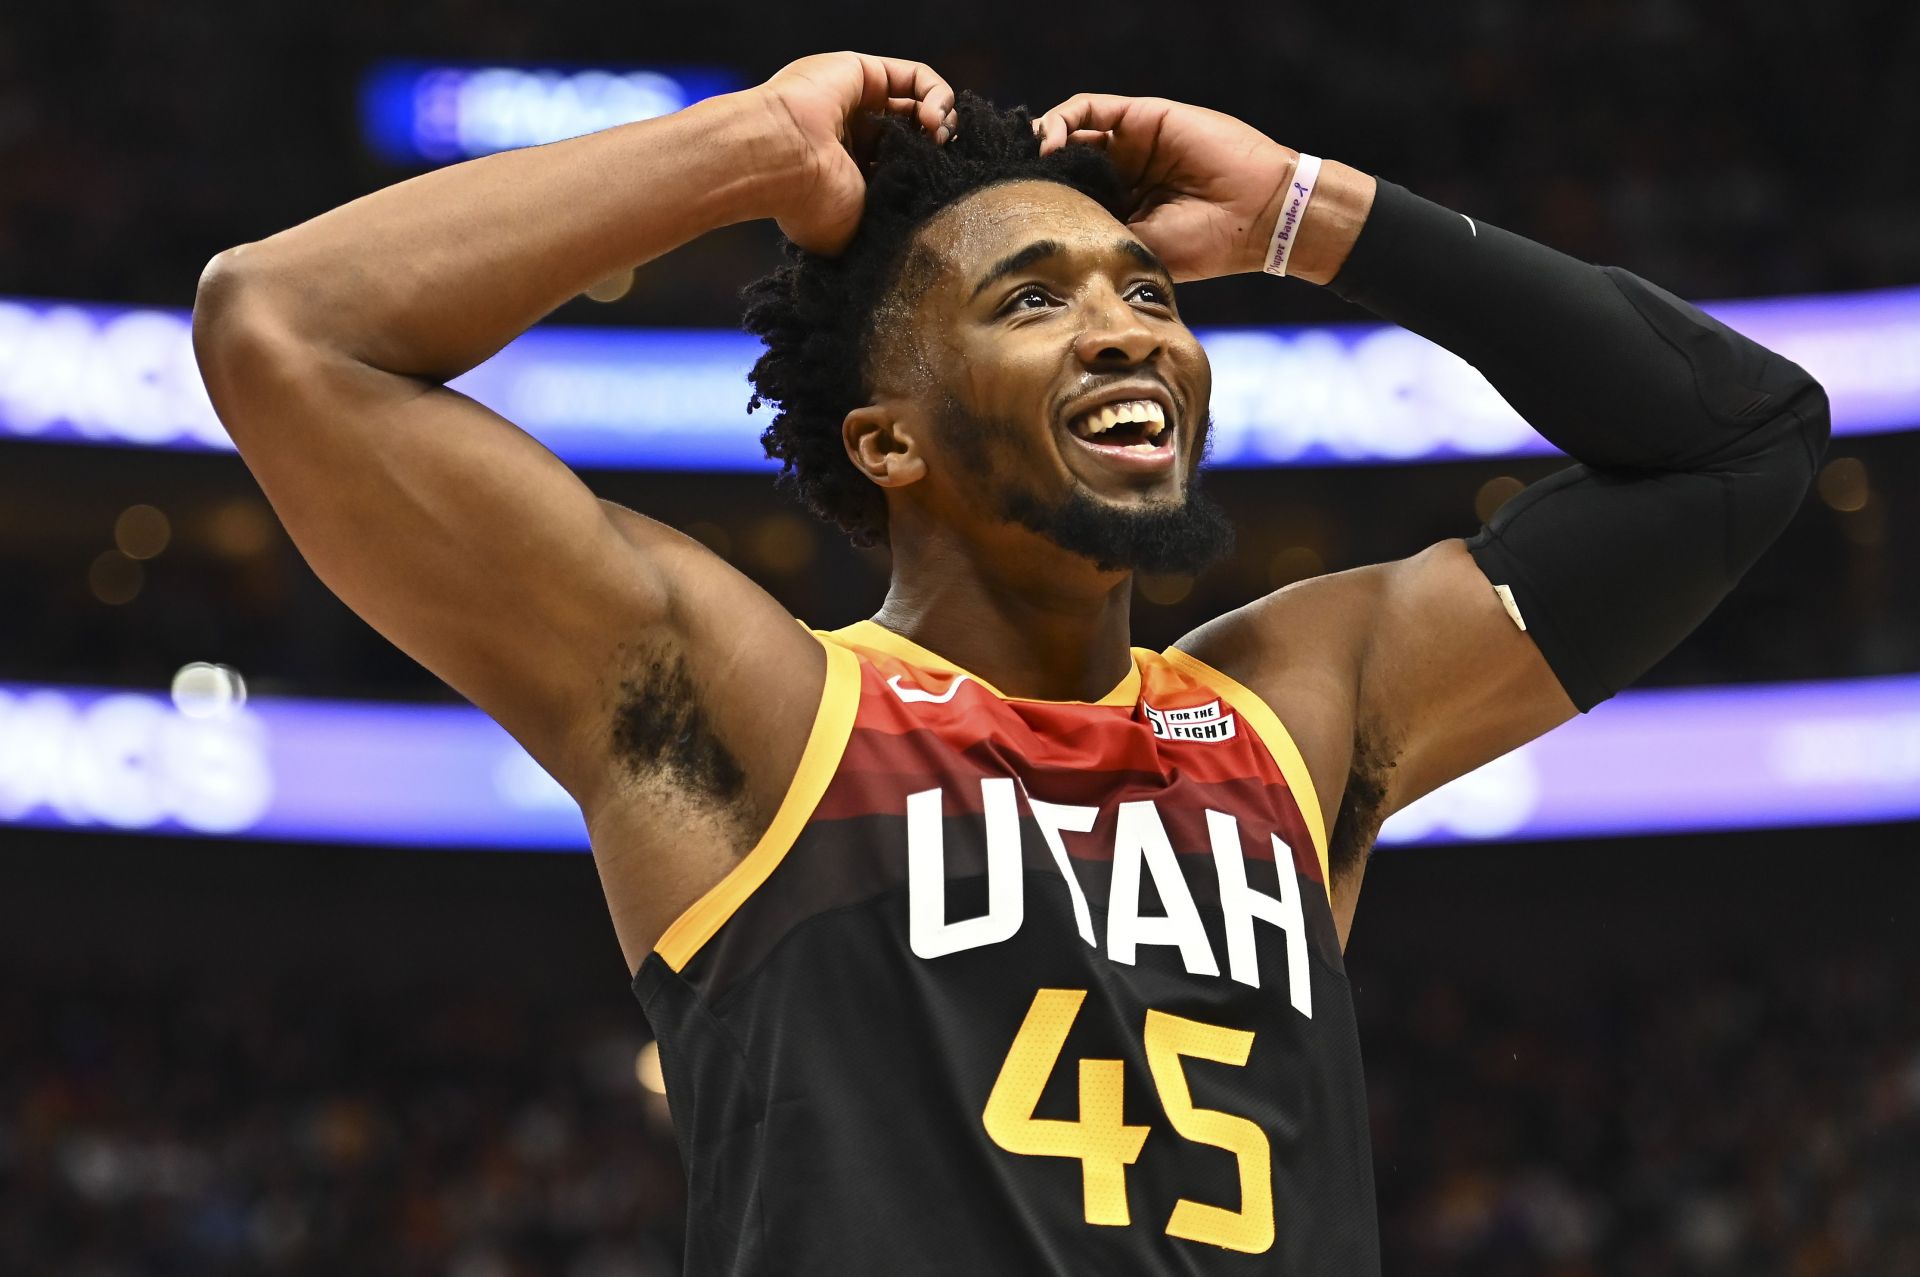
column 448, row 529
column 325, row 349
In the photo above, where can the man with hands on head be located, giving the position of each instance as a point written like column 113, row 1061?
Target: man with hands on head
column 978, row 940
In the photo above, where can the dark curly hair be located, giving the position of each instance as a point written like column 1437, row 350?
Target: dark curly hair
column 817, row 314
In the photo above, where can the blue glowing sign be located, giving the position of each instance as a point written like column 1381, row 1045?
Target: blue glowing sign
column 676, row 400
column 448, row 776
column 413, row 112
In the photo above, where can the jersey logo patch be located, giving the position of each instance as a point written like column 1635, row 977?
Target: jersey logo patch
column 917, row 695
column 1197, row 723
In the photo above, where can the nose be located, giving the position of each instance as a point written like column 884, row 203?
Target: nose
column 1115, row 333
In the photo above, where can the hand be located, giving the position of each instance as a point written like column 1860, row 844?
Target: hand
column 826, row 108
column 1205, row 188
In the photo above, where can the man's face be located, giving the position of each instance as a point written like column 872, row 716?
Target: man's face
column 1064, row 393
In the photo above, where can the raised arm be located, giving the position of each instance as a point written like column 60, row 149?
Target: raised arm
column 1697, row 446
column 616, row 650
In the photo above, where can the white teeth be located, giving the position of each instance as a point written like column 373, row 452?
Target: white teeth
column 1145, row 411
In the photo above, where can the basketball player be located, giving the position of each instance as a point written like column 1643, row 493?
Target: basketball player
column 977, row 940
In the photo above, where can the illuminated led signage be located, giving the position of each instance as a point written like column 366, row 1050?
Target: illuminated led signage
column 669, row 399
column 414, row 113
column 1771, row 755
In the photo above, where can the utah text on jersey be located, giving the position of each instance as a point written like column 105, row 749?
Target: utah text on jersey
column 1022, row 986
column 1139, row 840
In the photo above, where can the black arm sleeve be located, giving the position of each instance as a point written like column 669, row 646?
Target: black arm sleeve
column 1697, row 445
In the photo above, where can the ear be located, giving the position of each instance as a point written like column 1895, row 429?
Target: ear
column 883, row 444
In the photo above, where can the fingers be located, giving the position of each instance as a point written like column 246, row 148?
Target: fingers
column 1079, row 137
column 1100, row 113
column 909, row 88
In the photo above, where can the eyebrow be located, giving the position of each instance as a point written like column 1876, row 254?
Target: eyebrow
column 1041, row 249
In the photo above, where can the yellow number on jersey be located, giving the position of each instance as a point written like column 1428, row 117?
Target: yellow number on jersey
column 1106, row 1145
column 1102, row 1141
column 1168, row 1037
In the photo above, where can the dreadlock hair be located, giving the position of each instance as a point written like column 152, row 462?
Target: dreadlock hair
column 817, row 315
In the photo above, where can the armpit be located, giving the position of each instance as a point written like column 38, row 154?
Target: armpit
column 1362, row 805
column 661, row 732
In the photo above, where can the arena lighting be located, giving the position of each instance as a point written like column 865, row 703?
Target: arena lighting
column 664, row 399
column 416, row 112
column 203, row 690
column 1771, row 755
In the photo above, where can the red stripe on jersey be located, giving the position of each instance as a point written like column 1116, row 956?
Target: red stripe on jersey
column 929, row 729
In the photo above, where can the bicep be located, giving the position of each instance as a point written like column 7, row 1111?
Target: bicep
column 1447, row 676
column 1393, row 679
column 463, row 540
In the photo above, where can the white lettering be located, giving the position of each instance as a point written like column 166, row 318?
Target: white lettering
column 1241, row 904
column 1052, row 819
column 1141, row 836
column 1140, row 840
column 931, row 935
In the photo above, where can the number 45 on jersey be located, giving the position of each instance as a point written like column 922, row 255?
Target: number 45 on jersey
column 1100, row 1137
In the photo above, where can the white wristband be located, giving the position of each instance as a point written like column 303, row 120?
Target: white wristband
column 1293, row 211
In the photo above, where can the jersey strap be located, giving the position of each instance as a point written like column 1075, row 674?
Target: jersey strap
column 878, row 638
column 1279, row 742
column 832, row 725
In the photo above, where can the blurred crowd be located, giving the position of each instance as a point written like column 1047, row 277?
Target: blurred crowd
column 283, row 1129
column 1741, row 1121
column 1713, row 1123
column 1837, row 595
column 1720, row 148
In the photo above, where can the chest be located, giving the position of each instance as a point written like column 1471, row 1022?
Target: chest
column 1148, row 815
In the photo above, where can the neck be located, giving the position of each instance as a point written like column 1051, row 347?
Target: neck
column 1034, row 621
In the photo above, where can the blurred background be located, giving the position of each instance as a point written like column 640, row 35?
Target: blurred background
column 320, row 982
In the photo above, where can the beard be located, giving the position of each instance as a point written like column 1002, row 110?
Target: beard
column 1185, row 536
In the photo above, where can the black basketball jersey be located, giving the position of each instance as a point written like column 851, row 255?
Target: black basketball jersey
column 1015, row 986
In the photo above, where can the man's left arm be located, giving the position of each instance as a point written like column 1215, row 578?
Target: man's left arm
column 1695, row 446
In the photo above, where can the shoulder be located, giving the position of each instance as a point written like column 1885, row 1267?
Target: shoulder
column 1320, row 625
column 1303, row 646
column 1302, row 650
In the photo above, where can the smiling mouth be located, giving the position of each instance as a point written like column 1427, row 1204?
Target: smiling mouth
column 1135, row 426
